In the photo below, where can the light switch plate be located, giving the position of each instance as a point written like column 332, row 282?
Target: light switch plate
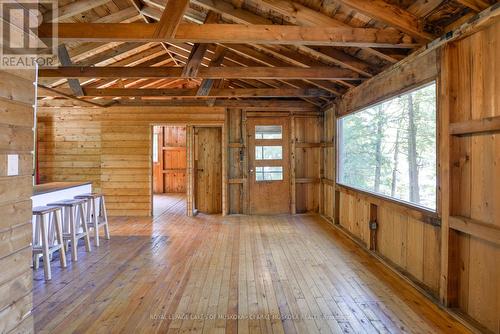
column 12, row 164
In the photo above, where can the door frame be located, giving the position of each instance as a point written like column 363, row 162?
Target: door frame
column 190, row 196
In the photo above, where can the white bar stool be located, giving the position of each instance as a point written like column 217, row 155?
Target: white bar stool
column 96, row 214
column 74, row 224
column 47, row 238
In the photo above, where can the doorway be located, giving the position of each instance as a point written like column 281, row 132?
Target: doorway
column 269, row 165
column 169, row 168
column 208, row 169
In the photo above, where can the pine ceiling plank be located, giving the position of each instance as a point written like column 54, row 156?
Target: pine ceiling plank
column 72, row 9
column 171, row 18
column 392, row 15
column 303, row 16
column 246, row 17
column 230, row 33
column 477, row 5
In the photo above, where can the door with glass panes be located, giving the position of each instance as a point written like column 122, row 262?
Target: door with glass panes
column 268, row 165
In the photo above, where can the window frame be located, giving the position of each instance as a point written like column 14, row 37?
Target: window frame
column 433, row 213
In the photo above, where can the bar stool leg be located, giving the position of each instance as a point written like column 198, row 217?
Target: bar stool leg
column 36, row 257
column 95, row 220
column 66, row 227
column 105, row 217
column 72, row 226
column 59, row 235
column 45, row 249
column 85, row 226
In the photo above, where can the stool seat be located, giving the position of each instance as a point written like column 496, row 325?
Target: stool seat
column 89, row 195
column 67, row 202
column 41, row 210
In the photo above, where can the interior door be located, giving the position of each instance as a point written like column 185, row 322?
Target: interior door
column 208, row 169
column 269, row 165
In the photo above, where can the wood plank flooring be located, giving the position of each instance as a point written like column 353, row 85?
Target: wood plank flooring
column 238, row 274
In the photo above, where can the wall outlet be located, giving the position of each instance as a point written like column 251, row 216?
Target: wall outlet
column 12, row 164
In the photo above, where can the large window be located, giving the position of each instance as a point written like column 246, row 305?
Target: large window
column 390, row 148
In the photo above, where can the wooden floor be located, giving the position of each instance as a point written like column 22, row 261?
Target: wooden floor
column 163, row 202
column 210, row 274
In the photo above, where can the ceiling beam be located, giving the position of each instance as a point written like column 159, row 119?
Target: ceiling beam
column 171, row 18
column 191, row 93
column 215, row 72
column 248, row 104
column 230, row 33
column 392, row 15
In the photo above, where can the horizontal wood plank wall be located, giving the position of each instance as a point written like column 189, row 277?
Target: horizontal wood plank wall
column 474, row 94
column 403, row 238
column 110, row 147
column 308, row 135
column 329, row 166
column 16, row 137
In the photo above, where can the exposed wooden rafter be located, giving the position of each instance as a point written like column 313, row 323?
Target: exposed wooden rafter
column 207, row 84
column 198, row 51
column 64, row 59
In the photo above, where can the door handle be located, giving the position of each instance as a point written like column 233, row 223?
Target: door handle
column 250, row 171
column 199, row 169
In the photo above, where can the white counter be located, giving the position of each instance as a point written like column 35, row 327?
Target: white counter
column 46, row 193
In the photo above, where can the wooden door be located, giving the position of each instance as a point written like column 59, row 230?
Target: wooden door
column 269, row 165
column 169, row 159
column 208, row 169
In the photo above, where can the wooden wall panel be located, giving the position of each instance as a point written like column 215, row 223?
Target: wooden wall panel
column 473, row 93
column 16, row 137
column 307, row 138
column 110, row 147
column 328, row 167
column 354, row 216
column 237, row 160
